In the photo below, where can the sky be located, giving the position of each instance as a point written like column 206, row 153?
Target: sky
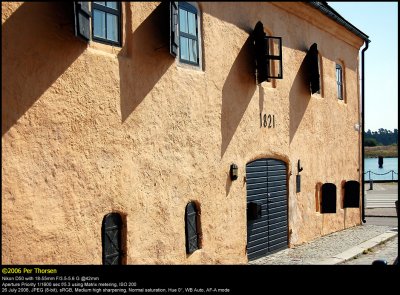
column 378, row 20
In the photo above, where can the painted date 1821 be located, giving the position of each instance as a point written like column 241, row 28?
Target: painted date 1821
column 267, row 121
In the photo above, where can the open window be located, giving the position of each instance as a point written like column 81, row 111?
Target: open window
column 82, row 20
column 185, row 39
column 268, row 55
column 314, row 69
column 99, row 21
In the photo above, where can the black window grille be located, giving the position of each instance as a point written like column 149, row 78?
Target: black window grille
column 192, row 240
column 111, row 239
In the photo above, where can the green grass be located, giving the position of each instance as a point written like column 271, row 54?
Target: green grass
column 389, row 151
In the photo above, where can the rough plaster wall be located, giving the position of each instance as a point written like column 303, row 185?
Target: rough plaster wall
column 89, row 130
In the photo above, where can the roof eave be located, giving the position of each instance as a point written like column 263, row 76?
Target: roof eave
column 332, row 14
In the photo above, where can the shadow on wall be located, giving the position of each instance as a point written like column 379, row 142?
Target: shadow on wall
column 237, row 92
column 145, row 57
column 38, row 45
column 299, row 97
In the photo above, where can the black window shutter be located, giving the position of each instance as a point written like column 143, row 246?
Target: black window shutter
column 174, row 34
column 82, row 20
column 328, row 198
column 351, row 194
column 111, row 239
column 261, row 51
column 313, row 68
column 191, row 228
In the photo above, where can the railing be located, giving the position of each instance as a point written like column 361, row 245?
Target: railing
column 380, row 174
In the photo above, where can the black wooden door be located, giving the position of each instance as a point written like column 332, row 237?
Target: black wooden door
column 267, row 226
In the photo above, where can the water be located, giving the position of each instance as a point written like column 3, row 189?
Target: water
column 371, row 164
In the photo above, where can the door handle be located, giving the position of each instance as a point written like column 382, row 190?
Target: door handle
column 269, row 196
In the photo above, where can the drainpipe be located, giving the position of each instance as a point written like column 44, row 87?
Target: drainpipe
column 363, row 126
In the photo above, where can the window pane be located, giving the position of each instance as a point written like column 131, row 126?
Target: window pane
column 184, row 48
column 192, row 23
column 101, row 3
column 193, row 50
column 112, row 27
column 183, row 21
column 112, row 5
column 99, row 23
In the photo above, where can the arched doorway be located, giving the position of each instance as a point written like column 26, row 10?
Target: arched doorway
column 267, row 207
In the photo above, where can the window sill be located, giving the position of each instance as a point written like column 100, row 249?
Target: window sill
column 106, row 48
column 317, row 96
column 189, row 66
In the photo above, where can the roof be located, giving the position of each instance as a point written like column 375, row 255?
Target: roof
column 331, row 13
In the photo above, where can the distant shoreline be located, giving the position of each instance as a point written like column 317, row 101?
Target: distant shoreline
column 389, row 151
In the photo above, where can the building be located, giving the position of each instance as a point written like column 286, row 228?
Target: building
column 182, row 133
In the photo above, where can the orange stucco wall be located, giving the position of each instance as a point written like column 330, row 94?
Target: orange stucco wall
column 93, row 129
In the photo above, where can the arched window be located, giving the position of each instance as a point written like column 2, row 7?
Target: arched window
column 111, row 239
column 351, row 194
column 191, row 231
column 328, row 195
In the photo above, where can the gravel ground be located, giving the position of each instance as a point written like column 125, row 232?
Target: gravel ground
column 324, row 247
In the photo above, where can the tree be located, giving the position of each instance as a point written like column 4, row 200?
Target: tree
column 382, row 136
column 370, row 142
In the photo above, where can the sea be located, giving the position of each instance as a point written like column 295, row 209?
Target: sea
column 389, row 170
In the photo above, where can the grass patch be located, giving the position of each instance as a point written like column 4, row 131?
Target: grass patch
column 388, row 151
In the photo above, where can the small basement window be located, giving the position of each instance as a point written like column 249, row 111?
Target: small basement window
column 191, row 228
column 111, row 233
column 351, row 194
column 328, row 196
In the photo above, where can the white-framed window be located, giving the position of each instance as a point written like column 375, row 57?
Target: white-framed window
column 106, row 22
column 98, row 21
column 339, row 82
column 320, row 72
column 186, row 33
